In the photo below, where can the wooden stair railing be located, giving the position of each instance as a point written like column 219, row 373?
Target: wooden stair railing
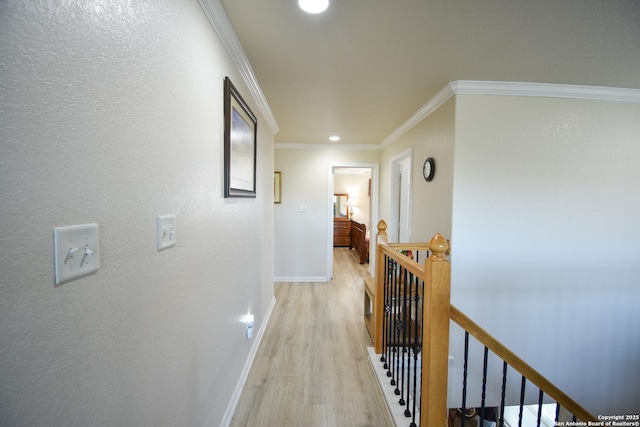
column 520, row 365
column 437, row 315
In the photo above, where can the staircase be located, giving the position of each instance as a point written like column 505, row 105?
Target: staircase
column 409, row 316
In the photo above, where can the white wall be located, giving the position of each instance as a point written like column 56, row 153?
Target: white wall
column 302, row 238
column 113, row 113
column 546, row 208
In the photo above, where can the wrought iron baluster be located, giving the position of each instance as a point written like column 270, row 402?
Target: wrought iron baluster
column 415, row 347
column 484, row 384
column 396, row 327
column 402, row 289
column 464, row 376
column 540, row 398
column 504, row 392
column 392, row 325
column 415, row 386
column 522, row 390
column 411, row 367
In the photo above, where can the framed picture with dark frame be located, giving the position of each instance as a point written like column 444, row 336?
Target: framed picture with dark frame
column 240, row 137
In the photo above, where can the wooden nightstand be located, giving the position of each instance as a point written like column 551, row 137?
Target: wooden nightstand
column 341, row 232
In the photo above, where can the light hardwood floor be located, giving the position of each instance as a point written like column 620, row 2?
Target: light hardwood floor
column 311, row 368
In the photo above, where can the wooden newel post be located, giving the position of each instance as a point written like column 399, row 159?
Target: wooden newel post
column 378, row 309
column 435, row 344
column 382, row 237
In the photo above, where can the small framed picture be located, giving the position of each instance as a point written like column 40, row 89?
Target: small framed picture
column 277, row 187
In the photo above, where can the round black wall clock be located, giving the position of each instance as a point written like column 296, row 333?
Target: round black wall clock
column 429, row 169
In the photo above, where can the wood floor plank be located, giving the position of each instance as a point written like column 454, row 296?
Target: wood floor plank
column 311, row 368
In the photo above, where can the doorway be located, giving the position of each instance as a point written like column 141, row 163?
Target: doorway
column 348, row 178
column 401, row 196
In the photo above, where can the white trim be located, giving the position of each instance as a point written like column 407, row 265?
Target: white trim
column 327, row 146
column 308, row 279
column 401, row 155
column 330, row 227
column 549, row 90
column 374, row 218
column 235, row 398
column 219, row 20
column 434, row 103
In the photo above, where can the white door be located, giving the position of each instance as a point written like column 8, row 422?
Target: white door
column 404, row 213
column 400, row 215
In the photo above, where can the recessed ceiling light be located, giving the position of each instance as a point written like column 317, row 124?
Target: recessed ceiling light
column 313, row 6
column 334, row 138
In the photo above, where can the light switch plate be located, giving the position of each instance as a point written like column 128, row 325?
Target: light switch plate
column 76, row 252
column 166, row 231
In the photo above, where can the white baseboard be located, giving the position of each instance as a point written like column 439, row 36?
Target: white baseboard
column 302, row 279
column 231, row 408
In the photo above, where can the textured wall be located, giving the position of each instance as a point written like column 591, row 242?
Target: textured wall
column 111, row 112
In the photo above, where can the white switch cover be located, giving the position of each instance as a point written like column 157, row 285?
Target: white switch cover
column 76, row 252
column 166, row 231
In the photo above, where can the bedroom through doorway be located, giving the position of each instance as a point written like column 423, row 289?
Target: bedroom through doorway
column 353, row 203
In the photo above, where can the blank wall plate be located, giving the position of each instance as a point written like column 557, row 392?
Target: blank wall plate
column 166, row 231
column 76, row 252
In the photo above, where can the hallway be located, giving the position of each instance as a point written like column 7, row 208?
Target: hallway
column 311, row 368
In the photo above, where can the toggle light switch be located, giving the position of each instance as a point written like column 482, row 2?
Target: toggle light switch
column 75, row 252
column 166, row 231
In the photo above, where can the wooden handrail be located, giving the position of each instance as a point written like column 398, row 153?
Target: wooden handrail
column 407, row 263
column 519, row 365
column 409, row 246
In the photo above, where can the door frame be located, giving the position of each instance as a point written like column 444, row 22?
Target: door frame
column 373, row 216
column 394, row 194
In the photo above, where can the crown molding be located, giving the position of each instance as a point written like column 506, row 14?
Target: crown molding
column 220, row 22
column 328, row 146
column 434, row 103
column 548, row 90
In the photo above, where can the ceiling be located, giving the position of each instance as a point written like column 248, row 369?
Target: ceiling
column 363, row 67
